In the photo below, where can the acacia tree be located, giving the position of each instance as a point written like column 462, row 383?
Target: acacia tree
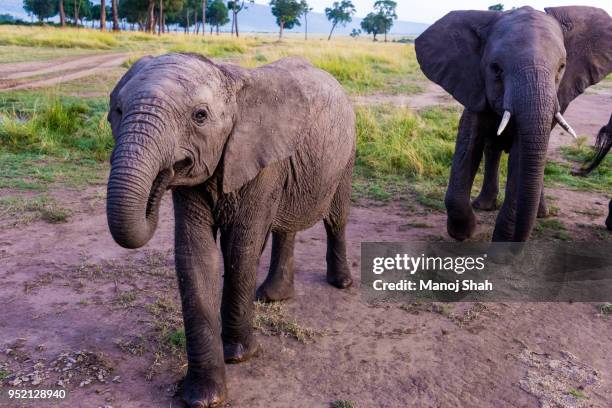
column 78, row 9
column 42, row 9
column 373, row 24
column 217, row 15
column 236, row 7
column 340, row 13
column 386, row 11
column 287, row 13
column 497, row 7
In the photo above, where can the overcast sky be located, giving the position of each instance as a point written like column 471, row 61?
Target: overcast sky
column 428, row 11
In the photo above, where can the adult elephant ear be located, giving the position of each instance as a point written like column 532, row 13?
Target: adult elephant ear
column 450, row 51
column 272, row 115
column 587, row 35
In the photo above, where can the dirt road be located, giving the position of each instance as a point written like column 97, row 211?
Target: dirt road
column 40, row 74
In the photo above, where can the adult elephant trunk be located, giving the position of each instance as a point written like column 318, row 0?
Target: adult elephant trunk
column 140, row 174
column 533, row 105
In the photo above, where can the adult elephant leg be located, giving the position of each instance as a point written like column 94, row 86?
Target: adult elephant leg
column 461, row 222
column 338, row 271
column 542, row 207
column 506, row 220
column 197, row 267
column 279, row 282
column 487, row 199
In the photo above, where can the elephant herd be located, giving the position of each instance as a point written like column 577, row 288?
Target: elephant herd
column 250, row 153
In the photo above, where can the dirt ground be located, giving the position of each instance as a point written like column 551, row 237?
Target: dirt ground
column 77, row 308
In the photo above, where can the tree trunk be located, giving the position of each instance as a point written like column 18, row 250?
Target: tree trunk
column 187, row 27
column 203, row 18
column 306, row 26
column 195, row 18
column 115, row 15
column 236, row 18
column 280, row 33
column 62, row 13
column 332, row 30
column 102, row 15
column 150, row 16
column 161, row 17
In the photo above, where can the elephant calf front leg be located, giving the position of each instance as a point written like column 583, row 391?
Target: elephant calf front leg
column 279, row 282
column 197, row 267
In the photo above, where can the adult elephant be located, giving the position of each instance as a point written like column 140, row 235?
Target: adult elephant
column 246, row 153
column 603, row 144
column 515, row 72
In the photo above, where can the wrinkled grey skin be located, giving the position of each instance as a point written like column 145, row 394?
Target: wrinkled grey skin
column 246, row 153
column 603, row 145
column 530, row 63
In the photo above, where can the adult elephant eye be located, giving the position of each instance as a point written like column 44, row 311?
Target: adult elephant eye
column 497, row 70
column 200, row 116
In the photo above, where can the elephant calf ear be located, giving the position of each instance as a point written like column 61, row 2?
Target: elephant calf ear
column 587, row 35
column 272, row 113
column 450, row 51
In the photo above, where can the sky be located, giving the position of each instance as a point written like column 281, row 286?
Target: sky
column 428, row 11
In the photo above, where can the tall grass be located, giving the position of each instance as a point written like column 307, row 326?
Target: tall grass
column 400, row 142
column 56, row 126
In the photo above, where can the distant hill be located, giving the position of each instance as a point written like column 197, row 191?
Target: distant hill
column 259, row 18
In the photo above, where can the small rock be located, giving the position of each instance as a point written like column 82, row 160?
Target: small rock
column 116, row 379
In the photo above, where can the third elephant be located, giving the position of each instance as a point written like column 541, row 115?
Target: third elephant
column 515, row 73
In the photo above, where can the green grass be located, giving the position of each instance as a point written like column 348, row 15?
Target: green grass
column 23, row 210
column 47, row 140
column 578, row 394
column 343, row 404
column 49, row 124
column 557, row 173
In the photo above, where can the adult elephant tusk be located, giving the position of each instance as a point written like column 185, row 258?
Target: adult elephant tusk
column 565, row 125
column 504, row 122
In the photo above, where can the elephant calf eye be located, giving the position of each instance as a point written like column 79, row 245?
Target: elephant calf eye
column 200, row 115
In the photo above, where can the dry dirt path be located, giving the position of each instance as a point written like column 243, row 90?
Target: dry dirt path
column 460, row 355
column 40, row 74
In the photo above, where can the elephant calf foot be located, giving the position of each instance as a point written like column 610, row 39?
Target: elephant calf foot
column 340, row 277
column 274, row 291
column 235, row 353
column 203, row 392
column 461, row 228
column 485, row 202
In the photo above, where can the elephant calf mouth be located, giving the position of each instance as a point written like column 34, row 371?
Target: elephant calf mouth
column 159, row 187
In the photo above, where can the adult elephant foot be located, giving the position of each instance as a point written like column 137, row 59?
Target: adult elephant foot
column 485, row 203
column 200, row 391
column 609, row 219
column 543, row 210
column 461, row 228
column 274, row 291
column 235, row 353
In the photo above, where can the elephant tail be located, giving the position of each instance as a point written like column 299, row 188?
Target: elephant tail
column 602, row 147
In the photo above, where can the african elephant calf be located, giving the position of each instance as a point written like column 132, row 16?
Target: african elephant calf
column 246, row 153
